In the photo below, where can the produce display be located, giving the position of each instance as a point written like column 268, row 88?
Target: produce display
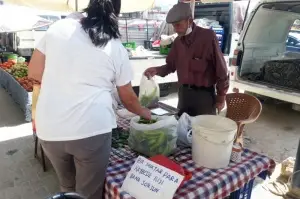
column 156, row 137
column 7, row 65
column 20, row 72
column 27, row 83
column 144, row 121
column 14, row 79
column 119, row 138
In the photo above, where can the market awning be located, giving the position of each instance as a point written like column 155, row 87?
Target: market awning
column 207, row 1
column 77, row 5
column 16, row 18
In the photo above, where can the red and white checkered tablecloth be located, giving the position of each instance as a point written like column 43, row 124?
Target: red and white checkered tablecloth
column 205, row 183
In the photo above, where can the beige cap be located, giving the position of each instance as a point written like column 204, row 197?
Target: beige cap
column 180, row 11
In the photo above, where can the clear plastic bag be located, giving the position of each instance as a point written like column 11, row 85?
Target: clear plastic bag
column 158, row 138
column 149, row 92
column 184, row 130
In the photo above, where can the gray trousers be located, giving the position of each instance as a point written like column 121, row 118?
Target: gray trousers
column 196, row 101
column 81, row 164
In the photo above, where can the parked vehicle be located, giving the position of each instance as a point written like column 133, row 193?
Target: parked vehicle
column 23, row 42
column 293, row 42
column 228, row 15
column 262, row 63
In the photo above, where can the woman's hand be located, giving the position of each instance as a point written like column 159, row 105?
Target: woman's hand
column 146, row 114
column 131, row 101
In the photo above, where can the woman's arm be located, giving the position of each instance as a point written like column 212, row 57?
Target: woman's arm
column 131, row 102
column 36, row 65
column 123, row 78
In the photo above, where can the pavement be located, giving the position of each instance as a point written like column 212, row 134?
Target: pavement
column 276, row 134
column 21, row 175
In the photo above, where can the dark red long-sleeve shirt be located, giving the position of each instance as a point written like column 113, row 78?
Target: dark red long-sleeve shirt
column 198, row 60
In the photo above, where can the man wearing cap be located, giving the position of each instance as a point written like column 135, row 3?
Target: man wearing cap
column 199, row 62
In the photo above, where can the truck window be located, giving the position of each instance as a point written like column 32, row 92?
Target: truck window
column 216, row 16
column 293, row 38
column 271, row 46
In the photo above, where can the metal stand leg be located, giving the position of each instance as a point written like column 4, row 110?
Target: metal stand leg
column 36, row 140
column 36, row 145
column 43, row 159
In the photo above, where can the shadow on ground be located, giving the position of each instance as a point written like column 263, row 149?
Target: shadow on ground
column 10, row 113
column 21, row 175
column 276, row 132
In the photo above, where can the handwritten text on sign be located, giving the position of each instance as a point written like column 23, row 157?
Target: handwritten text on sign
column 148, row 180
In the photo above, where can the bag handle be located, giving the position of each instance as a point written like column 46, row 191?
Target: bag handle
column 218, row 143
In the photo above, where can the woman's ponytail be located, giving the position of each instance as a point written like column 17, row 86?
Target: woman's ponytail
column 101, row 22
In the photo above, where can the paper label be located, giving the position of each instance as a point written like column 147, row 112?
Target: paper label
column 159, row 111
column 148, row 180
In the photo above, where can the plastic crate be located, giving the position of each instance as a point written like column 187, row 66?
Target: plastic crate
column 130, row 45
column 245, row 192
column 164, row 50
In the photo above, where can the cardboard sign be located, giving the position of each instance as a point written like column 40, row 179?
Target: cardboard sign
column 148, row 180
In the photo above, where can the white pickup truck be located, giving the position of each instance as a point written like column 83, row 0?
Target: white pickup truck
column 261, row 63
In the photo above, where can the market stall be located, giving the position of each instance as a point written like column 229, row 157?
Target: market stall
column 235, row 180
column 13, row 68
column 13, row 78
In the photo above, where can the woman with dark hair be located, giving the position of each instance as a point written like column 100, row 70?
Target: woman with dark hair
column 79, row 62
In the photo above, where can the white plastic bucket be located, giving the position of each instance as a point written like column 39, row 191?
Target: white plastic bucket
column 212, row 140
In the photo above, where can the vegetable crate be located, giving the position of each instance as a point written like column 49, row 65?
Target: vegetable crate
column 164, row 50
column 245, row 192
column 130, row 45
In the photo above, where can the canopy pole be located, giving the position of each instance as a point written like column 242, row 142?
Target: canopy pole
column 192, row 4
column 76, row 5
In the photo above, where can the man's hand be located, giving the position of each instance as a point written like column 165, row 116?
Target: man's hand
column 220, row 104
column 151, row 72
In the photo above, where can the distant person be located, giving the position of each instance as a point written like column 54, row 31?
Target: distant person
column 78, row 63
column 199, row 62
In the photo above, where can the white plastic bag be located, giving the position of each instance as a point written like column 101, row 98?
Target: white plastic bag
column 167, row 39
column 158, row 138
column 184, row 130
column 149, row 92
